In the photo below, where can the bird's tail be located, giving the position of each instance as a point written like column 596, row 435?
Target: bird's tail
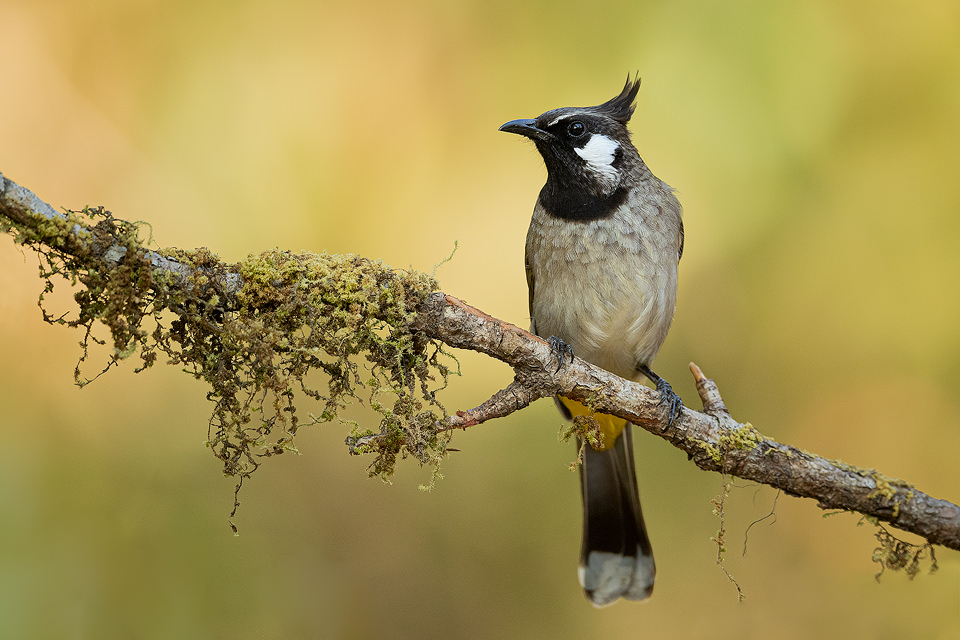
column 616, row 560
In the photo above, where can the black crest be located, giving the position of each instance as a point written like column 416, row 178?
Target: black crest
column 621, row 107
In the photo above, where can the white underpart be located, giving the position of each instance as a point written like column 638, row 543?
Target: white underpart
column 599, row 153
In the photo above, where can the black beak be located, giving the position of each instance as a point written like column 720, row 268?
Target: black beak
column 527, row 128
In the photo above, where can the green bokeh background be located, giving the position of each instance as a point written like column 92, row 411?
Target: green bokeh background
column 815, row 147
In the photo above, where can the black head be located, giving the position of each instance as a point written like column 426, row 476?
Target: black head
column 591, row 163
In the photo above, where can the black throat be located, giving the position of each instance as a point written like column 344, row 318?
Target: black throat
column 579, row 205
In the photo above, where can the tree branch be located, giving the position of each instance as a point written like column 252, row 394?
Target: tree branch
column 712, row 438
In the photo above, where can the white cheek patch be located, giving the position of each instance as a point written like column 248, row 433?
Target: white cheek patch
column 599, row 153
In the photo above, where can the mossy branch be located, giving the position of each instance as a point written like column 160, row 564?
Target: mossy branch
column 255, row 329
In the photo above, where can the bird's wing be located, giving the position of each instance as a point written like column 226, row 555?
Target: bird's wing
column 530, row 287
column 679, row 252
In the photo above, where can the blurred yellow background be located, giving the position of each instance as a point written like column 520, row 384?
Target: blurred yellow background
column 815, row 147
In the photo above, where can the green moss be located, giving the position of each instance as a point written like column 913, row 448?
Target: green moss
column 259, row 343
column 712, row 451
column 588, row 433
column 719, row 539
column 898, row 555
column 892, row 553
column 743, row 437
column 53, row 232
column 120, row 296
column 886, row 487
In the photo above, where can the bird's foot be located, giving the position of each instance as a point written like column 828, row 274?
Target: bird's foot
column 668, row 396
column 561, row 349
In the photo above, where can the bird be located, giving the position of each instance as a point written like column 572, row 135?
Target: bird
column 601, row 257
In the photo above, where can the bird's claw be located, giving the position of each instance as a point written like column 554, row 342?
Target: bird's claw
column 668, row 396
column 561, row 349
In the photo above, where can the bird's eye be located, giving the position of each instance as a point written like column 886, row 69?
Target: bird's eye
column 576, row 129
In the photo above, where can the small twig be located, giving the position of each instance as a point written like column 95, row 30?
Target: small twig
column 514, row 397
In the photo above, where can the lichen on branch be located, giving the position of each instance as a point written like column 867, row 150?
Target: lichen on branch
column 255, row 331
